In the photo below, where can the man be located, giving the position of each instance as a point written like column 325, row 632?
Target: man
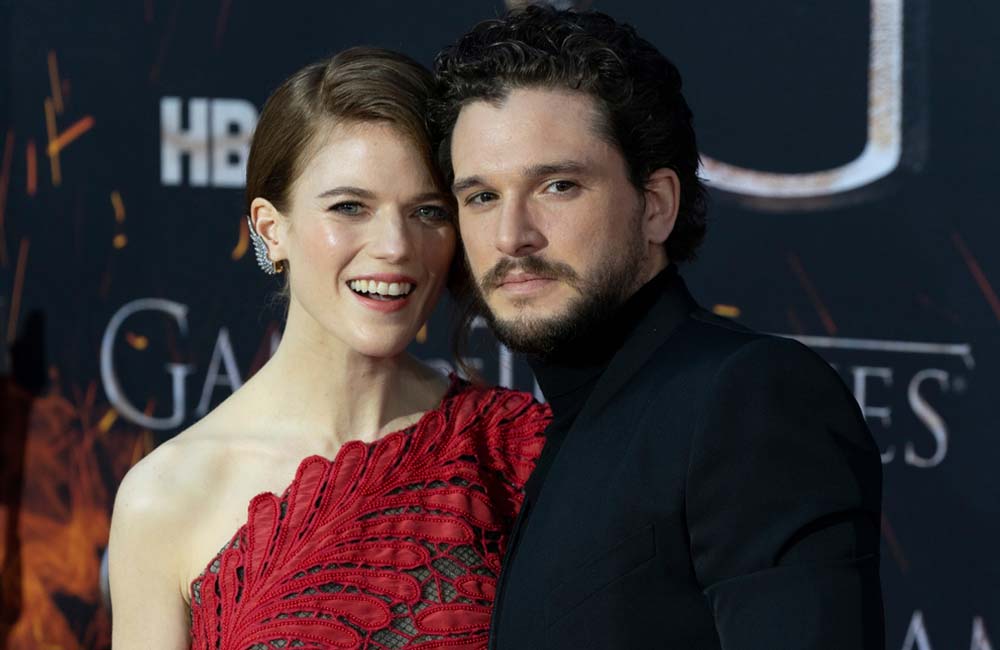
column 702, row 486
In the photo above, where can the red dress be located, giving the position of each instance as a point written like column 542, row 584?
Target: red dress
column 392, row 544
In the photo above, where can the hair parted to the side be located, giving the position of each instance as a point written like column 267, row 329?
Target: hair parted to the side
column 358, row 85
column 637, row 89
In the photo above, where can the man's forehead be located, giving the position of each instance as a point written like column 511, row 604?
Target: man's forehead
column 528, row 128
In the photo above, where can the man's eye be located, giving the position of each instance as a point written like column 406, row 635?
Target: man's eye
column 350, row 208
column 481, row 198
column 560, row 187
column 433, row 213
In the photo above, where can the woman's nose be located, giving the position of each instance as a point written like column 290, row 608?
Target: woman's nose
column 392, row 240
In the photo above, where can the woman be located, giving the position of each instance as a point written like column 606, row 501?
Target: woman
column 397, row 487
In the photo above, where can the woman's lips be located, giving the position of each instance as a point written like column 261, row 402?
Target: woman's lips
column 383, row 292
column 384, row 306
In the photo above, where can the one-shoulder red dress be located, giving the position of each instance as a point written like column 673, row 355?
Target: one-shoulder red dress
column 392, row 544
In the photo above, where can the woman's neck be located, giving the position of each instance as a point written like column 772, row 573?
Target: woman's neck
column 316, row 385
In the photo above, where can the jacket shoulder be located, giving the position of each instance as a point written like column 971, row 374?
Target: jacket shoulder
column 707, row 340
column 735, row 343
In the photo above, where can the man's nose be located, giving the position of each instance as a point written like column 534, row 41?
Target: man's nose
column 518, row 233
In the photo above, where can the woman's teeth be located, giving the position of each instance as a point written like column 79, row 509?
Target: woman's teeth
column 381, row 289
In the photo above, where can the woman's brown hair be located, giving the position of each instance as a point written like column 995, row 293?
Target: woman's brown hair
column 360, row 84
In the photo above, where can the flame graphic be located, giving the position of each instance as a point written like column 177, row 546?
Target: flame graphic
column 71, row 463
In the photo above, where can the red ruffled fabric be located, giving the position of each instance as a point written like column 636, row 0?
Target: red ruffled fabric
column 392, row 544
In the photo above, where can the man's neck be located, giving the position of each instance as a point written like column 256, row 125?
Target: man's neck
column 581, row 361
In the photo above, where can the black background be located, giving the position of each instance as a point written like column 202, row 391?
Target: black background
column 778, row 86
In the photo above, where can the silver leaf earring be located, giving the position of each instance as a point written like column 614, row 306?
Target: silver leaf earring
column 260, row 252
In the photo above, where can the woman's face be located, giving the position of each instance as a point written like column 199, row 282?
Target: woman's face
column 369, row 238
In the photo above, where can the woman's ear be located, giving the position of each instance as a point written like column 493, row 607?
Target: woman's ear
column 662, row 192
column 272, row 226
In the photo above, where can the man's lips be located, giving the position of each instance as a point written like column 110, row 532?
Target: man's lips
column 524, row 283
column 518, row 278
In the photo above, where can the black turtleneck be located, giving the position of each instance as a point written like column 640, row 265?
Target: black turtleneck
column 568, row 378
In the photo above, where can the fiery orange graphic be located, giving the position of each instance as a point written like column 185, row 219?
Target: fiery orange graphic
column 824, row 314
column 50, row 127
column 8, row 154
column 118, row 205
column 977, row 274
column 243, row 242
column 31, row 163
column 54, row 82
column 729, row 311
column 77, row 129
column 55, row 529
column 15, row 301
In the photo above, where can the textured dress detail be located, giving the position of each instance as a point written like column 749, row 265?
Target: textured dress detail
column 392, row 544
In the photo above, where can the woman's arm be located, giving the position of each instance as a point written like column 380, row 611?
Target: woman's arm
column 148, row 607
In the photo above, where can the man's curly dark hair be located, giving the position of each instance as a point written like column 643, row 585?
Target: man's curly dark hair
column 636, row 88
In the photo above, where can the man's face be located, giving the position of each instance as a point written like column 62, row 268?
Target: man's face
column 552, row 228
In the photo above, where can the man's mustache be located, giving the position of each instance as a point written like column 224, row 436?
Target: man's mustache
column 532, row 264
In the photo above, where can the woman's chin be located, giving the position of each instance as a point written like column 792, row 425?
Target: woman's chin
column 381, row 346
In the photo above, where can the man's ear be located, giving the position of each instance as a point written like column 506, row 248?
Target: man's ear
column 272, row 226
column 662, row 192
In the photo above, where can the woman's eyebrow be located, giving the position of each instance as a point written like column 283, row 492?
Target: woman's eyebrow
column 347, row 189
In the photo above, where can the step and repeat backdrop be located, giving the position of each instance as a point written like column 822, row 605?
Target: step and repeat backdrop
column 851, row 149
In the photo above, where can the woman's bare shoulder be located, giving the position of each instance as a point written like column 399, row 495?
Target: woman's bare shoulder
column 155, row 513
column 172, row 479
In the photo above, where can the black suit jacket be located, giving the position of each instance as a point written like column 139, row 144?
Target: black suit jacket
column 719, row 489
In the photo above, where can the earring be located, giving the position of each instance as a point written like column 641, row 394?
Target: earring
column 260, row 252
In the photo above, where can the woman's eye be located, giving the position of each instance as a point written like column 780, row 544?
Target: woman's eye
column 560, row 187
column 350, row 208
column 481, row 198
column 433, row 213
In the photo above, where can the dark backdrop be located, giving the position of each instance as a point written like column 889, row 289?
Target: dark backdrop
column 851, row 147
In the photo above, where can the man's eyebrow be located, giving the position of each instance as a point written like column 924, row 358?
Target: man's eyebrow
column 532, row 171
column 347, row 189
column 429, row 196
column 559, row 167
column 466, row 183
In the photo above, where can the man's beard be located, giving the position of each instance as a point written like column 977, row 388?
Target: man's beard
column 612, row 280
